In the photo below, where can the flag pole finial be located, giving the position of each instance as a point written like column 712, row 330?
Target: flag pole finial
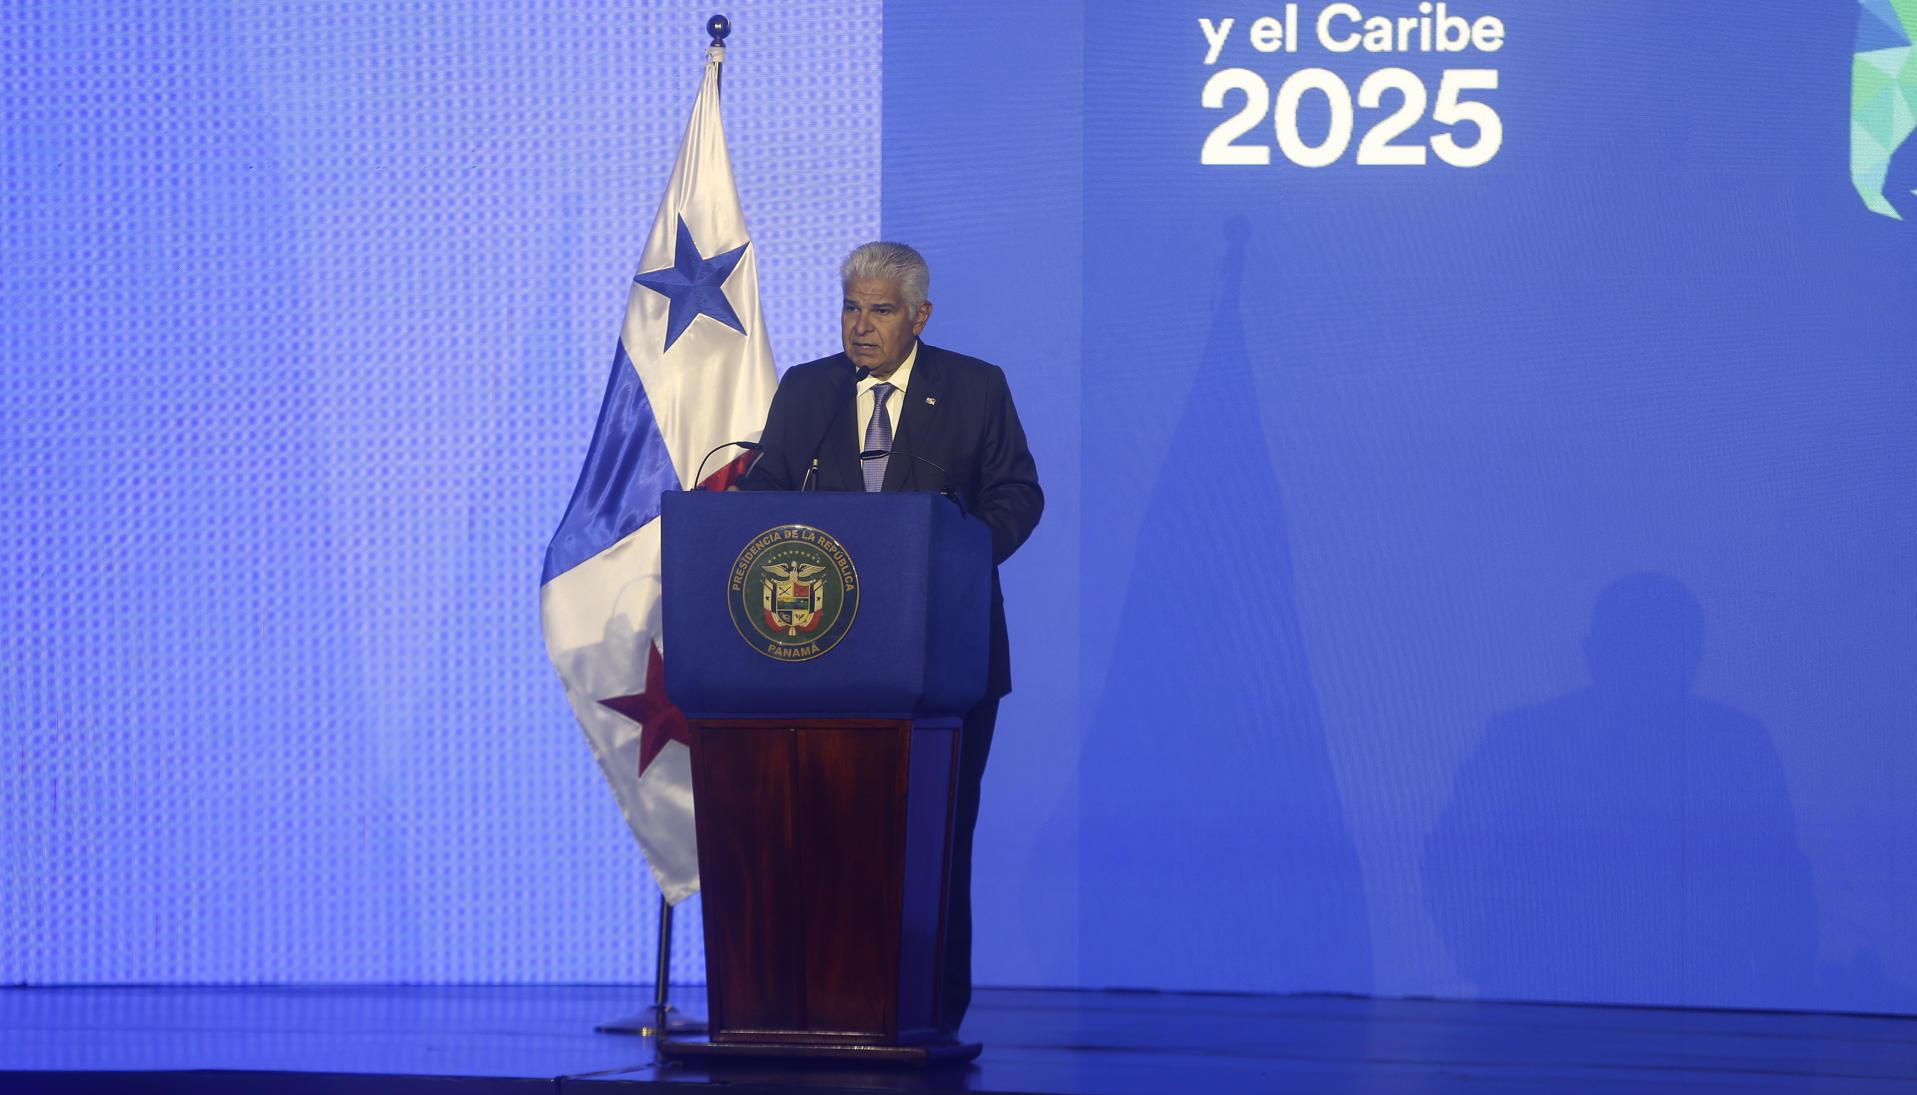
column 718, row 26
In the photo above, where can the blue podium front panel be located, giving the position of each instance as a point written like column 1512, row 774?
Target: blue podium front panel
column 824, row 604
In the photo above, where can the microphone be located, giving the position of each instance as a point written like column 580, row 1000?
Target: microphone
column 811, row 479
column 701, row 476
column 944, row 491
column 874, row 454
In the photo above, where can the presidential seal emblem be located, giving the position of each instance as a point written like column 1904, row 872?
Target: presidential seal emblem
column 793, row 593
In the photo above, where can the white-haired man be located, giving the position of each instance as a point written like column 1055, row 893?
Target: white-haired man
column 950, row 422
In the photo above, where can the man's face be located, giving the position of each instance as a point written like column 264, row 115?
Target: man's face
column 877, row 327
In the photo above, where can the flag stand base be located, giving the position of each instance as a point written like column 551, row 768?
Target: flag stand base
column 661, row 1018
column 649, row 1023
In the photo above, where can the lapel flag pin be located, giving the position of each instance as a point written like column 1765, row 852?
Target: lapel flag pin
column 931, row 402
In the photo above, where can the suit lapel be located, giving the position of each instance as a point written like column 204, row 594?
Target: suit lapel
column 839, row 455
column 915, row 418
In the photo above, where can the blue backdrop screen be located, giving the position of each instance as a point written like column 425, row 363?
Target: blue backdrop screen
column 1488, row 479
column 1480, row 450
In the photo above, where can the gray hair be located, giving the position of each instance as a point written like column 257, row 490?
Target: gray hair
column 893, row 262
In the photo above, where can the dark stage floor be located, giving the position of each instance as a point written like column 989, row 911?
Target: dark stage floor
column 290, row 1041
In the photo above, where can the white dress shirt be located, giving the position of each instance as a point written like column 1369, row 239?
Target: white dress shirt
column 864, row 401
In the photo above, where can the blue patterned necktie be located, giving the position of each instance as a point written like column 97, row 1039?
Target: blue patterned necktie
column 878, row 435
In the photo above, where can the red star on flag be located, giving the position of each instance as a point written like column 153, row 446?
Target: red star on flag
column 661, row 719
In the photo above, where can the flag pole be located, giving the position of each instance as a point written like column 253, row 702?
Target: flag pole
column 662, row 964
column 662, row 1018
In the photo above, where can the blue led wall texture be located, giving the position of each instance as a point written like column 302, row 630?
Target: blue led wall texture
column 1481, row 470
column 307, row 316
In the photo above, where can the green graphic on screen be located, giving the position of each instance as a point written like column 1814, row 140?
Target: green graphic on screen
column 1883, row 95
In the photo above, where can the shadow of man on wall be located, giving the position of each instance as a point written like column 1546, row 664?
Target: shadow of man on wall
column 1629, row 842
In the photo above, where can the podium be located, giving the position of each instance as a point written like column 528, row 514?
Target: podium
column 824, row 647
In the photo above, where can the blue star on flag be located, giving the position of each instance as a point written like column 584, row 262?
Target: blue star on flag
column 694, row 286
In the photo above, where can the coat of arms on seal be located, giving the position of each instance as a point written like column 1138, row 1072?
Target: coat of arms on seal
column 793, row 593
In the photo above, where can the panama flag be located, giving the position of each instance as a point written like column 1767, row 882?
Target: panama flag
column 693, row 370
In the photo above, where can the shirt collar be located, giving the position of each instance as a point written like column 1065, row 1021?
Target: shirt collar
column 901, row 377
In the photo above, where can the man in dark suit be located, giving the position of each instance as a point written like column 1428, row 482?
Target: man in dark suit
column 949, row 424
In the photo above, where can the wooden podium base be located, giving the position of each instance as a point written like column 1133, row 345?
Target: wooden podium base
column 923, row 1055
column 822, row 861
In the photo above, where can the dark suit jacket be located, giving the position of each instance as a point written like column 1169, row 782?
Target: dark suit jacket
column 958, row 414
